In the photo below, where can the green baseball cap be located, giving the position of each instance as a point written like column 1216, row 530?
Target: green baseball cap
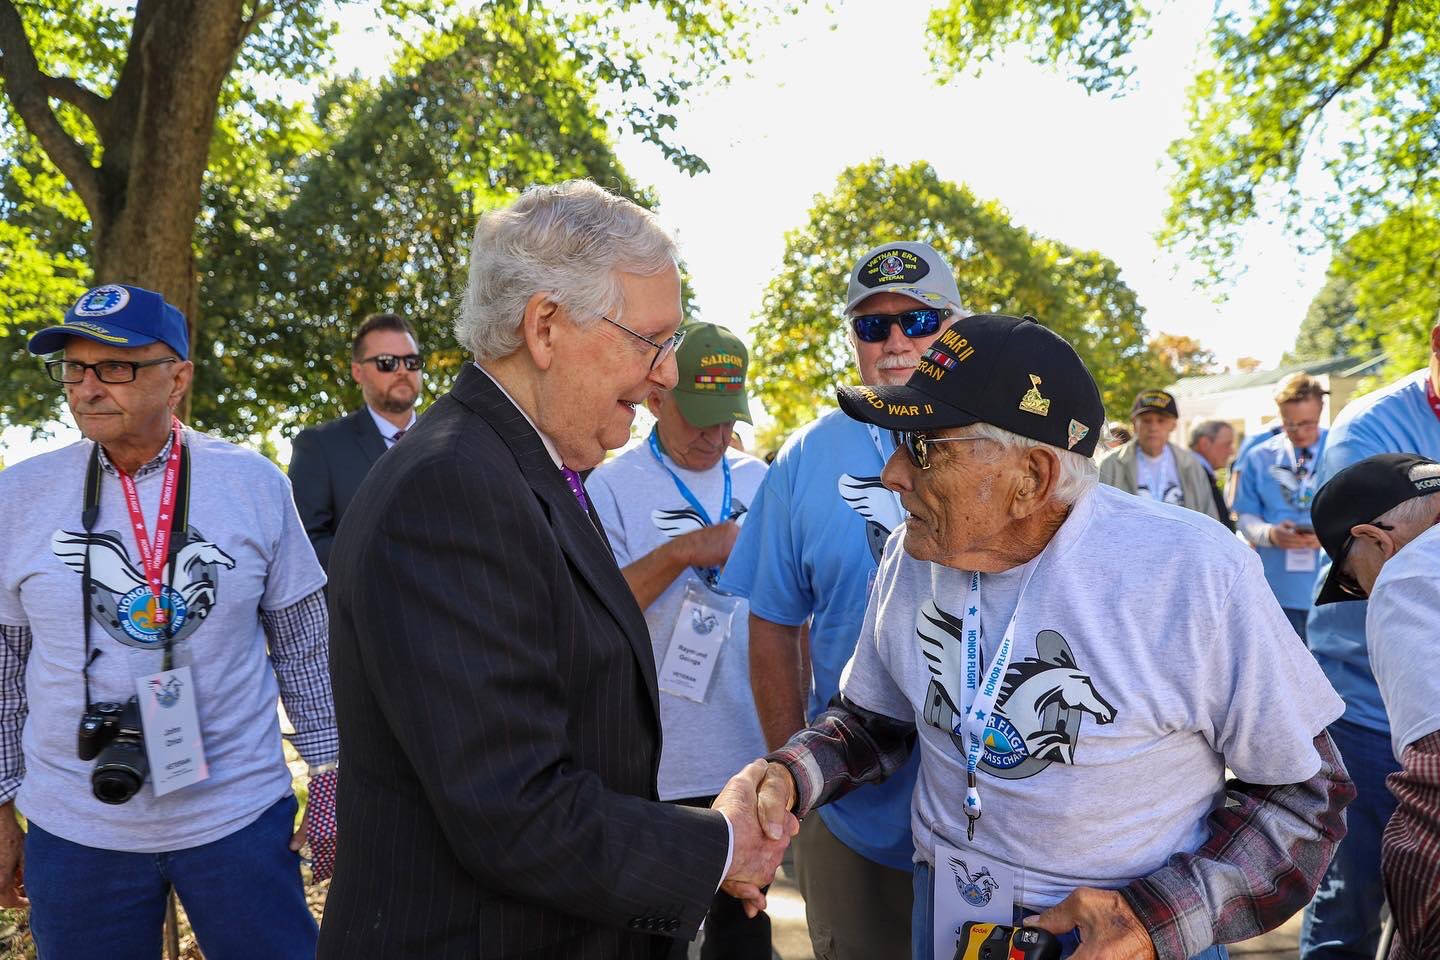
column 712, row 363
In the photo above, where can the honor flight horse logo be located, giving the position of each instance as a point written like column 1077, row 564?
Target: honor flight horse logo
column 1038, row 712
column 674, row 523
column 868, row 497
column 975, row 888
column 121, row 601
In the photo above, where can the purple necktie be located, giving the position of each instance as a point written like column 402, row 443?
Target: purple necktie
column 577, row 487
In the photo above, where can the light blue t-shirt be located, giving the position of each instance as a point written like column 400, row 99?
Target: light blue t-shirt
column 808, row 551
column 1394, row 419
column 1277, row 483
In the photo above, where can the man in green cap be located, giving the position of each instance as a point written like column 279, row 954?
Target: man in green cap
column 671, row 508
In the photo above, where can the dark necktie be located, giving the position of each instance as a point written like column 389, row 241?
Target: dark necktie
column 398, row 434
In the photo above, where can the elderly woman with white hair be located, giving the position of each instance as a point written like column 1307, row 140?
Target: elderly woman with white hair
column 1079, row 664
column 493, row 676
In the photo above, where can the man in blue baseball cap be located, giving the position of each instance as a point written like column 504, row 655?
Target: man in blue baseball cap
column 141, row 738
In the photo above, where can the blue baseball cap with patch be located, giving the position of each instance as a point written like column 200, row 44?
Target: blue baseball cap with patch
column 121, row 316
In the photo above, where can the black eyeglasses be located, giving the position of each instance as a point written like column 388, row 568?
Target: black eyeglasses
column 1346, row 582
column 916, row 444
column 389, row 363
column 875, row 327
column 106, row 371
column 662, row 350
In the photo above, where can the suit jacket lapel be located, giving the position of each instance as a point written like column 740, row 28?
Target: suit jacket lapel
column 367, row 435
column 582, row 538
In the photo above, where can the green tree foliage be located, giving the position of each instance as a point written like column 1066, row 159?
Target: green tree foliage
column 1345, row 92
column 802, row 350
column 312, row 214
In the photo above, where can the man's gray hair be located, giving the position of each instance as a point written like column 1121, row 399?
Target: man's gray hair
column 1416, row 512
column 571, row 240
column 1207, row 430
column 1078, row 474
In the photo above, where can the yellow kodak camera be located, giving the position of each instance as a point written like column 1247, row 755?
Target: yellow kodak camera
column 994, row 941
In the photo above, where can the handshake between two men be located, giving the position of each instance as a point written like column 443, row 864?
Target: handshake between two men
column 757, row 802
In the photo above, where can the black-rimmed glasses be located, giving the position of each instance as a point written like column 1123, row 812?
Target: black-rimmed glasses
column 916, row 444
column 662, row 350
column 389, row 363
column 106, row 371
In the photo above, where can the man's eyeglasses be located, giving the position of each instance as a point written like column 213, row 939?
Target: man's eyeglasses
column 917, row 445
column 389, row 363
column 1299, row 424
column 662, row 349
column 106, row 371
column 875, row 327
column 1345, row 581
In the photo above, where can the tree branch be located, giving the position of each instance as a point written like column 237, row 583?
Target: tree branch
column 1387, row 33
column 29, row 93
column 88, row 101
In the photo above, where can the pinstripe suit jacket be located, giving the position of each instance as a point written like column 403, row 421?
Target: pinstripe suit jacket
column 499, row 724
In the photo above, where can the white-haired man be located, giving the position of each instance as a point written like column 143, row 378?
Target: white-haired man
column 1379, row 522
column 808, row 554
column 489, row 659
column 1079, row 664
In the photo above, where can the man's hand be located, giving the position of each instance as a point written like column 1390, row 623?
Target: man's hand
column 12, row 859
column 708, row 546
column 1284, row 534
column 757, row 852
column 1109, row 929
column 317, row 827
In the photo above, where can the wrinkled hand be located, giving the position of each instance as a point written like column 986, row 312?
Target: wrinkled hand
column 1283, row 535
column 708, row 546
column 12, row 860
column 1109, row 929
column 318, row 826
column 757, row 851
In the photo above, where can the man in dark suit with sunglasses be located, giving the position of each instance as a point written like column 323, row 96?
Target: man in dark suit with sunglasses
column 330, row 460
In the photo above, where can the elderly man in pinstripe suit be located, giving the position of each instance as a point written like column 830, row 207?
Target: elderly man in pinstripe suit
column 493, row 675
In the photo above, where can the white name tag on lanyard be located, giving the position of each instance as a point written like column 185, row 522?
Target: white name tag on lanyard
column 968, row 886
column 1300, row 561
column 172, row 730
column 700, row 631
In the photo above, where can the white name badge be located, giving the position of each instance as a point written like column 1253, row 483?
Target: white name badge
column 969, row 886
column 1300, row 561
column 700, row 632
column 172, row 730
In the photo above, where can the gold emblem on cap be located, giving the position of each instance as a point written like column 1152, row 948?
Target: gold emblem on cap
column 1032, row 402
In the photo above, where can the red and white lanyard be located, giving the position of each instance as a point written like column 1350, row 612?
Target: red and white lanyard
column 1431, row 396
column 153, row 556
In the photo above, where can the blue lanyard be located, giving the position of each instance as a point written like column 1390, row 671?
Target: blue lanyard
column 711, row 575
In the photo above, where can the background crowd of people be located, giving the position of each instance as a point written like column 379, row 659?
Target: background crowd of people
column 531, row 683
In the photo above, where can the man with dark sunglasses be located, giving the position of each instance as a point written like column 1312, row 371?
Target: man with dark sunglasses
column 1379, row 522
column 330, row 460
column 807, row 553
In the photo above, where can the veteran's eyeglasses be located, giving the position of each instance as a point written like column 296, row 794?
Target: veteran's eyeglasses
column 389, row 363
column 662, row 350
column 106, row 371
column 875, row 327
column 917, row 445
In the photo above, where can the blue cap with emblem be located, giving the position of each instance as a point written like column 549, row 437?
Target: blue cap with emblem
column 120, row 315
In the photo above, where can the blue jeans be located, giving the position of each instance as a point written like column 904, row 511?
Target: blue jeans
column 1343, row 921
column 922, row 925
column 242, row 893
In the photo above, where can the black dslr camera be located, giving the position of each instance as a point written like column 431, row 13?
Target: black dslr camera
column 112, row 736
column 993, row 941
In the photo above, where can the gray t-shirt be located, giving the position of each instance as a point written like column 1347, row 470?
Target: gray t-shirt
column 1403, row 635
column 1149, row 654
column 640, row 507
column 247, row 551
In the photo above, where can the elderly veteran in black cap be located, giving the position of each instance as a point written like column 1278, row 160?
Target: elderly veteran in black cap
column 1080, row 665
column 1151, row 466
column 1379, row 521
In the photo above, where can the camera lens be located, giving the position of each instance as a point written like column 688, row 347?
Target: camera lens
column 116, row 784
column 122, row 766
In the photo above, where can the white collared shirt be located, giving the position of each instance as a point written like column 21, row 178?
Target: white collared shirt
column 549, row 444
column 387, row 429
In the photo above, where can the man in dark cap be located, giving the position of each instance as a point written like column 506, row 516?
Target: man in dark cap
column 1151, row 466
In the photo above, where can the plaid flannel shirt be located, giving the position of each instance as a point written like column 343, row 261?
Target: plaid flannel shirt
column 1410, row 852
column 1269, row 846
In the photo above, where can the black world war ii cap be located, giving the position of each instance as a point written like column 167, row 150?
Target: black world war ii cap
column 1007, row 371
column 1361, row 493
column 1154, row 401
